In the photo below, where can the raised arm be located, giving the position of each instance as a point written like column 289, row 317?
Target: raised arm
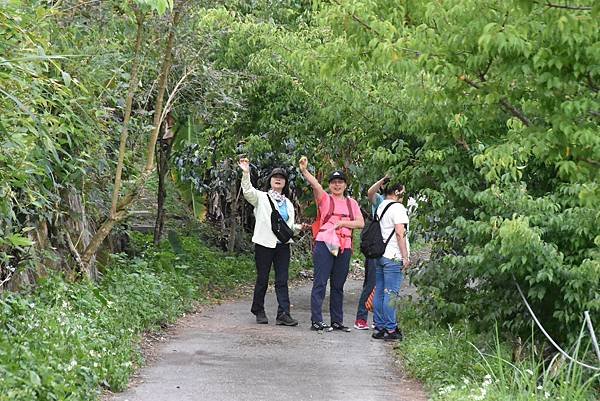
column 250, row 193
column 375, row 188
column 317, row 188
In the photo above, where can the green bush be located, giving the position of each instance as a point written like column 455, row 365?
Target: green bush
column 63, row 340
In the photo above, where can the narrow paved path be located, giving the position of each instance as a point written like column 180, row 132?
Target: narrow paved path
column 223, row 355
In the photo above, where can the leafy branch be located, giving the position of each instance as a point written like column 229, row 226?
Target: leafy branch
column 567, row 7
column 515, row 111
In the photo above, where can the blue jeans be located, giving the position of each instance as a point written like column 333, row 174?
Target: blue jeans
column 368, row 285
column 328, row 266
column 388, row 279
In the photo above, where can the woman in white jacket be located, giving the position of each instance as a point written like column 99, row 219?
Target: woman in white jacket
column 268, row 251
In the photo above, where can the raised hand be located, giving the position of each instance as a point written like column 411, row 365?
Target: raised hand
column 317, row 188
column 303, row 163
column 244, row 165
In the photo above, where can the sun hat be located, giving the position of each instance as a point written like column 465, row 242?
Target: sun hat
column 278, row 171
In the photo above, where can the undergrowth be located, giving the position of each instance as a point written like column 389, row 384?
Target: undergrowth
column 65, row 341
column 456, row 364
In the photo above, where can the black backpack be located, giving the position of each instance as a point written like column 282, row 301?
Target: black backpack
column 371, row 240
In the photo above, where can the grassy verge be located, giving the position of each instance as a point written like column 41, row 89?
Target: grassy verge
column 64, row 341
column 457, row 365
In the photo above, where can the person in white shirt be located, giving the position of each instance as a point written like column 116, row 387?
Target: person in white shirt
column 362, row 314
column 390, row 268
column 268, row 251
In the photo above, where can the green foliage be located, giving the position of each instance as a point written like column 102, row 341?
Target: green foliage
column 61, row 101
column 455, row 365
column 161, row 6
column 66, row 340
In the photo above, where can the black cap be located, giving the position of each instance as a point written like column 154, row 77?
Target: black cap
column 338, row 175
column 278, row 171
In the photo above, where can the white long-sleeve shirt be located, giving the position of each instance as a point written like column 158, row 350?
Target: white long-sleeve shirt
column 263, row 234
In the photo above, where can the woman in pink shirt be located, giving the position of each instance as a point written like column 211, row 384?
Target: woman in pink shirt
column 339, row 216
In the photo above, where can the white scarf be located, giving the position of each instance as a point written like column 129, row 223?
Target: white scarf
column 277, row 196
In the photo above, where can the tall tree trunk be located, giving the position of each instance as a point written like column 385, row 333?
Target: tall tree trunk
column 122, row 206
column 161, row 170
column 133, row 83
column 162, row 86
column 233, row 217
column 163, row 150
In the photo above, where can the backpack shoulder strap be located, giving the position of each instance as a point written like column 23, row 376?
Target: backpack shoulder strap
column 393, row 228
column 349, row 206
column 384, row 210
column 330, row 211
column 271, row 202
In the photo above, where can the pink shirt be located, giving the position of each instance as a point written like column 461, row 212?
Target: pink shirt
column 340, row 212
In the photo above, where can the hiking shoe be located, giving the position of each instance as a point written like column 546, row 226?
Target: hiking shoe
column 340, row 327
column 261, row 318
column 286, row 320
column 361, row 324
column 395, row 335
column 378, row 334
column 320, row 326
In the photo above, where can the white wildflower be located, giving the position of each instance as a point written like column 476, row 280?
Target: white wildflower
column 480, row 396
column 446, row 389
column 71, row 365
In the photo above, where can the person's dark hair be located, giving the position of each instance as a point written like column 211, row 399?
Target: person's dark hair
column 394, row 189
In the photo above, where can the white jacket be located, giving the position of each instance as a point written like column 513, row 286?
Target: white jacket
column 263, row 234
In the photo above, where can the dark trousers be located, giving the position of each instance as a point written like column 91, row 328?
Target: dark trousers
column 368, row 285
column 279, row 257
column 328, row 267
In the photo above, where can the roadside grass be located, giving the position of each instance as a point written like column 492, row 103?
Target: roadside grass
column 65, row 341
column 455, row 364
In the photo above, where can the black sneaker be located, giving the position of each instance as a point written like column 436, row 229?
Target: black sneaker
column 395, row 335
column 340, row 327
column 320, row 326
column 378, row 334
column 286, row 320
column 261, row 318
